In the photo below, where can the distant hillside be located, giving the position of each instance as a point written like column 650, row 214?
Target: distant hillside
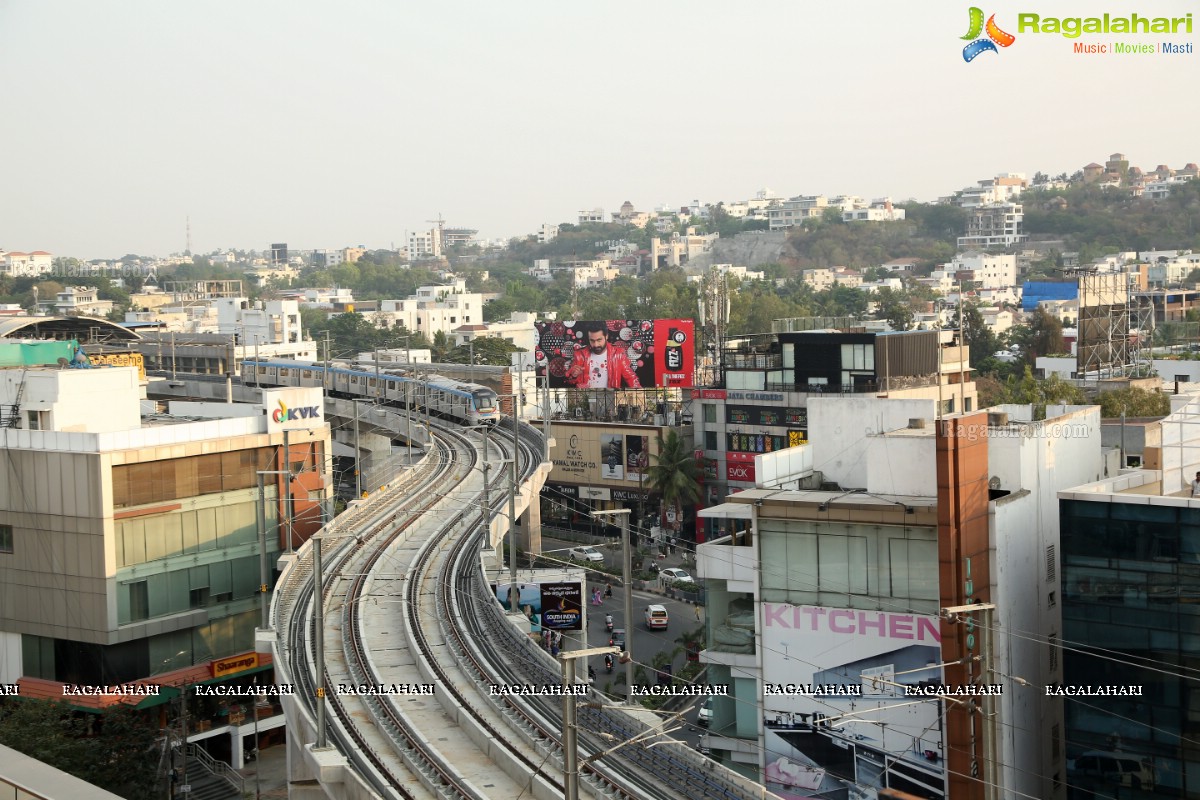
column 927, row 233
column 1095, row 221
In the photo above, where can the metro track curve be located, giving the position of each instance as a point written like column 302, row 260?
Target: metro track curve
column 457, row 638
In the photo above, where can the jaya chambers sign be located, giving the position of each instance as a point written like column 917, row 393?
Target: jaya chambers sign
column 836, row 707
column 616, row 353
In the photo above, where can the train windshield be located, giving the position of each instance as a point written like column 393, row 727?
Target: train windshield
column 485, row 401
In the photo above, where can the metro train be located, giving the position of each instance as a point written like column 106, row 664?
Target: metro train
column 469, row 403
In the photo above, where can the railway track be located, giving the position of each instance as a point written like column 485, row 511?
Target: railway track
column 405, row 596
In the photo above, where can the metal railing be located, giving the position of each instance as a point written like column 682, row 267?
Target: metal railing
column 219, row 769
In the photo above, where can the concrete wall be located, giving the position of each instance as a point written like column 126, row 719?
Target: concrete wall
column 839, row 426
column 1033, row 462
column 54, row 582
column 95, row 400
column 902, row 464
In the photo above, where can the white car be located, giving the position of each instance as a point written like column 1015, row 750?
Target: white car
column 705, row 715
column 586, row 553
column 671, row 574
column 656, row 617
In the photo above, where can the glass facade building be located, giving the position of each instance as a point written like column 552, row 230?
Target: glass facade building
column 1131, row 617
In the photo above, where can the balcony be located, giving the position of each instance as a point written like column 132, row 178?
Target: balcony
column 723, row 560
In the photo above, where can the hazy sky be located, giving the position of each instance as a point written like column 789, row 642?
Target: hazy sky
column 331, row 124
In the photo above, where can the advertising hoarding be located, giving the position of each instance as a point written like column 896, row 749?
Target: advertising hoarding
column 589, row 455
column 616, row 354
column 294, row 409
column 820, row 744
column 554, row 605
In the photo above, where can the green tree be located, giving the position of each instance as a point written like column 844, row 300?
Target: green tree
column 1134, row 402
column 114, row 750
column 1028, row 390
column 977, row 335
column 487, row 350
column 673, row 474
column 894, row 307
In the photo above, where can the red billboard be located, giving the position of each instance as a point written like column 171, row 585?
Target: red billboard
column 739, row 467
column 616, row 353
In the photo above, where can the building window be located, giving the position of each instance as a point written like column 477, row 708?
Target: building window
column 1051, row 600
column 139, row 601
column 198, row 598
column 1052, row 640
column 6, row 539
column 710, row 412
column 34, row 420
column 1051, row 570
column 710, row 440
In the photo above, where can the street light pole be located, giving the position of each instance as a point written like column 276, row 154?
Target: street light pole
column 487, row 503
column 628, row 592
column 263, row 572
column 570, row 737
column 357, row 456
column 319, row 628
column 514, row 592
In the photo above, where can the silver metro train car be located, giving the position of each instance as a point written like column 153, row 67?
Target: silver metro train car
column 468, row 403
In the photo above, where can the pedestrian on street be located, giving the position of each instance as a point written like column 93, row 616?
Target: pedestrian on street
column 671, row 546
column 608, row 590
column 697, row 613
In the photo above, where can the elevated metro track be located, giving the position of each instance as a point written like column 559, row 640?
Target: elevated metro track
column 407, row 607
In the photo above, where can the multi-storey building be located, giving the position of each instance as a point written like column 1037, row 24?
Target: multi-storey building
column 995, row 225
column 425, row 244
column 26, row 265
column 130, row 546
column 1128, row 588
column 834, row 569
column 760, row 404
column 81, row 301
column 987, row 270
column 433, row 309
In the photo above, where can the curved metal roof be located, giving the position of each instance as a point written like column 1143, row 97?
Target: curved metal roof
column 83, row 329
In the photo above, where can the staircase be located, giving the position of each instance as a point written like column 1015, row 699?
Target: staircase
column 209, row 779
column 10, row 416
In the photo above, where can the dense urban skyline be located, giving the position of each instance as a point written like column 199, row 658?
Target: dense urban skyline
column 330, row 127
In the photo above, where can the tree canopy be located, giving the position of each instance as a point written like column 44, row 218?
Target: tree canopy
column 114, row 750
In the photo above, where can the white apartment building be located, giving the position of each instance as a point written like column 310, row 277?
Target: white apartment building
column 272, row 322
column 995, row 225
column 546, row 233
column 26, row 265
column 741, row 273
column 790, row 213
column 1170, row 267
column 1062, row 310
column 593, row 217
column 997, row 319
column 819, row 279
column 81, row 301
column 990, row 271
column 432, row 309
column 1000, row 189
column 517, row 330
column 762, row 587
column 878, row 211
column 425, row 244
column 678, row 250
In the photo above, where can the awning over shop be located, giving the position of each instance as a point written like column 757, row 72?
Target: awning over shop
column 726, row 511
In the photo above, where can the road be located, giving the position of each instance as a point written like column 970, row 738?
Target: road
column 646, row 643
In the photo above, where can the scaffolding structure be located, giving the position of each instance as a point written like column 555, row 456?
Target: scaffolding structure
column 1112, row 325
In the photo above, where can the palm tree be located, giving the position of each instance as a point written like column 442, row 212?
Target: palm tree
column 674, row 476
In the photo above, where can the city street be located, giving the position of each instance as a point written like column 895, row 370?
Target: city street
column 645, row 643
